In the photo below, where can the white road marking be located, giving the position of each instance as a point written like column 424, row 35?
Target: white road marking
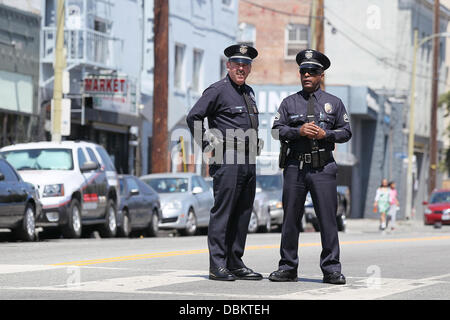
column 357, row 288
column 18, row 268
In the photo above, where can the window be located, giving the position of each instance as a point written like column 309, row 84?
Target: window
column 132, row 185
column 227, row 2
column 179, row 66
column 8, row 172
column 105, row 159
column 92, row 155
column 40, row 159
column 81, row 158
column 196, row 72
column 246, row 34
column 168, row 185
column 296, row 39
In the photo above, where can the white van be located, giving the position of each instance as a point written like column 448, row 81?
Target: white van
column 77, row 184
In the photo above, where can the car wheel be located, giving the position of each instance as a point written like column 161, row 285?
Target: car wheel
column 109, row 228
column 253, row 223
column 153, row 226
column 27, row 229
column 125, row 229
column 191, row 224
column 73, row 227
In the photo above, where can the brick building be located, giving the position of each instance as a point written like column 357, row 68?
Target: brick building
column 276, row 29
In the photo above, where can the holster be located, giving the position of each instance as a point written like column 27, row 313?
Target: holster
column 319, row 158
column 284, row 147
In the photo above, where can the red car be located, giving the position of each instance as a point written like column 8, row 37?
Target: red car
column 438, row 208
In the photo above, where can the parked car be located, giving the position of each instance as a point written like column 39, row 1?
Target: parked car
column 260, row 218
column 139, row 207
column 437, row 211
column 343, row 197
column 77, row 184
column 19, row 203
column 269, row 189
column 186, row 200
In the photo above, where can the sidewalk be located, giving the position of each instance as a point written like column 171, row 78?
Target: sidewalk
column 372, row 226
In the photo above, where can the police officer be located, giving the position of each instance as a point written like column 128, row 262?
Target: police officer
column 311, row 121
column 230, row 107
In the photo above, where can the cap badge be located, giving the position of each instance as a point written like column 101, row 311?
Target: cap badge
column 308, row 54
column 243, row 49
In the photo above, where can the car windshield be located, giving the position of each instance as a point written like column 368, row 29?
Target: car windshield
column 168, row 185
column 269, row 182
column 440, row 197
column 40, row 159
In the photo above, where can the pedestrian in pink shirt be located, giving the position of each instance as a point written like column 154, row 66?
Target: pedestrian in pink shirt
column 394, row 204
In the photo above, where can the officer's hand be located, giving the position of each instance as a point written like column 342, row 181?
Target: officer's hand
column 312, row 131
column 321, row 134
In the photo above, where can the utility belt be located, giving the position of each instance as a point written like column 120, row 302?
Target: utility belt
column 244, row 146
column 316, row 159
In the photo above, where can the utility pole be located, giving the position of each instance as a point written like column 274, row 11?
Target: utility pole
column 312, row 24
column 409, row 180
column 320, row 35
column 320, row 38
column 59, row 65
column 160, row 146
column 434, row 100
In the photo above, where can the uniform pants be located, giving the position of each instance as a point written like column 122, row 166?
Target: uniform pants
column 234, row 192
column 322, row 185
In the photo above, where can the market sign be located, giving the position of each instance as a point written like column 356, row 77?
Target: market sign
column 105, row 85
column 111, row 93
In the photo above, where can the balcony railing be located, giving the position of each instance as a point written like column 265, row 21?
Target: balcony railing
column 84, row 46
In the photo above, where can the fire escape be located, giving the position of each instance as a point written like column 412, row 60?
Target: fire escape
column 88, row 39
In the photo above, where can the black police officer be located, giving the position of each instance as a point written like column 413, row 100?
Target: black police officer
column 230, row 107
column 310, row 166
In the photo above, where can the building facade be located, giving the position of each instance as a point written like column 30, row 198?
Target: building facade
column 19, row 71
column 199, row 31
column 103, row 42
column 371, row 43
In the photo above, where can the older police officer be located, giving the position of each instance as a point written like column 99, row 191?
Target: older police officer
column 230, row 107
column 311, row 121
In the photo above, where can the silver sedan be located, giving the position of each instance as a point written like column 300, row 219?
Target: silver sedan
column 186, row 200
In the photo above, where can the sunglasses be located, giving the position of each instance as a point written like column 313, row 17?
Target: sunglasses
column 311, row 71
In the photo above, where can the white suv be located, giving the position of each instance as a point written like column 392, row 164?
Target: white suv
column 77, row 184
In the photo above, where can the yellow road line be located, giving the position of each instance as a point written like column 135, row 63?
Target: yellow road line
column 199, row 251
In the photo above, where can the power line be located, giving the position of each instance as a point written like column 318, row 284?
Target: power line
column 383, row 60
column 282, row 12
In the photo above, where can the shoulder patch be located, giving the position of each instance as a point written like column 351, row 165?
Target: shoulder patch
column 346, row 118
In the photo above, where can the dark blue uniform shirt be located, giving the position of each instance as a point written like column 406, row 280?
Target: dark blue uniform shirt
column 224, row 106
column 330, row 114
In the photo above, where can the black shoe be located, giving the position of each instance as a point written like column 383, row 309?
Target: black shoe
column 246, row 274
column 221, row 273
column 334, row 278
column 283, row 276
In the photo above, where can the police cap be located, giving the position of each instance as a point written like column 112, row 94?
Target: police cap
column 240, row 53
column 314, row 59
